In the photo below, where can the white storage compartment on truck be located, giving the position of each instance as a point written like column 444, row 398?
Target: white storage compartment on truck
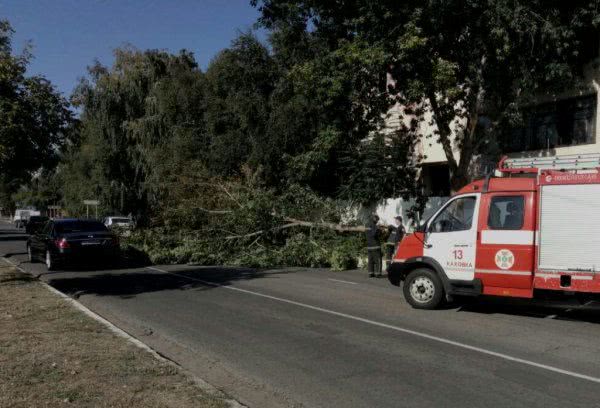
column 569, row 230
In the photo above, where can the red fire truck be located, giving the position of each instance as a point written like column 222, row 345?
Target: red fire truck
column 531, row 229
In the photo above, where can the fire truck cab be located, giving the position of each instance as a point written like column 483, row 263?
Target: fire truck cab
column 533, row 227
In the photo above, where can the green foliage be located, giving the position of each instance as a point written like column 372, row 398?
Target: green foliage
column 140, row 121
column 211, row 221
column 40, row 192
column 346, row 89
column 301, row 249
column 346, row 251
column 240, row 81
column 383, row 166
column 252, row 115
column 460, row 60
column 35, row 121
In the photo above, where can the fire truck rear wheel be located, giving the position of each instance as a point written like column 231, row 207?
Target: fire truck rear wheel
column 423, row 289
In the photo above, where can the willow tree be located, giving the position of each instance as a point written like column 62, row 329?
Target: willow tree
column 140, row 119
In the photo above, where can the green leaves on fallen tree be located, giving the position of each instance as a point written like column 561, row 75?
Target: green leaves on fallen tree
column 212, row 220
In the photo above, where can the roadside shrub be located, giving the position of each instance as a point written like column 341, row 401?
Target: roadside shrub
column 346, row 253
column 301, row 249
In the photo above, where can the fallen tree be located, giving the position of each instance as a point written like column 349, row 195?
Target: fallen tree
column 207, row 220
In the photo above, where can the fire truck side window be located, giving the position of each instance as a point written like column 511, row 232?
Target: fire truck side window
column 506, row 213
column 457, row 216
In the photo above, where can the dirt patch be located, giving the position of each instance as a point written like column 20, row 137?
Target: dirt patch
column 53, row 355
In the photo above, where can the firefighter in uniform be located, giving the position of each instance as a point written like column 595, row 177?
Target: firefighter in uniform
column 396, row 234
column 373, row 247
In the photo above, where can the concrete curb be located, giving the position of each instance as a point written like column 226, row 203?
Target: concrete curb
column 123, row 334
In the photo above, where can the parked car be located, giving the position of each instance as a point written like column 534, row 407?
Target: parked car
column 119, row 222
column 65, row 241
column 34, row 223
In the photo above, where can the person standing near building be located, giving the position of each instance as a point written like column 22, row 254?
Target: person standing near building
column 373, row 247
column 397, row 232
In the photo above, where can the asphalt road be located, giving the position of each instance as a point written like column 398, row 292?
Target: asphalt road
column 316, row 338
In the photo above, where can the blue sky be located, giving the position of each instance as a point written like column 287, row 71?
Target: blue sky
column 68, row 35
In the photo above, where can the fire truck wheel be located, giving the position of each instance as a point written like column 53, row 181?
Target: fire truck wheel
column 423, row 289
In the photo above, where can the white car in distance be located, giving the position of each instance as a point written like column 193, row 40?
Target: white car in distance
column 119, row 222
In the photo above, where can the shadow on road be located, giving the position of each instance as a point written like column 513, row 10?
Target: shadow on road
column 129, row 284
column 11, row 254
column 14, row 241
column 14, row 238
column 533, row 308
column 13, row 235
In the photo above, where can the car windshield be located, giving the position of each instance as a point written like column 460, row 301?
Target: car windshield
column 78, row 226
column 124, row 220
column 38, row 219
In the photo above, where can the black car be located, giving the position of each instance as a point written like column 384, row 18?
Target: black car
column 34, row 223
column 64, row 241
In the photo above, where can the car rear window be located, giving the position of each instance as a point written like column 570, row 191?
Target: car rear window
column 78, row 226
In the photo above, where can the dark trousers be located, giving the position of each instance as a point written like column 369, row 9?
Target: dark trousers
column 374, row 263
column 390, row 251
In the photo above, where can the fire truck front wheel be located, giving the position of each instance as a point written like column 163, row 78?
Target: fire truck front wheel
column 423, row 289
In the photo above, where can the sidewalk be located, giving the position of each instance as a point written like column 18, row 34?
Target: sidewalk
column 51, row 354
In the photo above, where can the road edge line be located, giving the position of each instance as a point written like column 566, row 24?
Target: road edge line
column 205, row 386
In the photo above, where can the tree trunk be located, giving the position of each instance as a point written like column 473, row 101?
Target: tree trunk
column 459, row 179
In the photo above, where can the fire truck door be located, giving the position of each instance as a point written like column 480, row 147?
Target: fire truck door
column 451, row 237
column 505, row 252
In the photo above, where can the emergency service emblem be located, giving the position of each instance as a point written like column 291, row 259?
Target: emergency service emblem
column 505, row 259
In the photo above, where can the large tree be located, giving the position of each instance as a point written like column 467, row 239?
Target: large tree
column 458, row 59
column 240, row 81
column 35, row 119
column 140, row 120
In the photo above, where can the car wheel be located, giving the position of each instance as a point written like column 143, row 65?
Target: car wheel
column 50, row 263
column 423, row 289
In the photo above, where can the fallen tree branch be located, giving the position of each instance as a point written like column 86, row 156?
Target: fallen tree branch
column 328, row 225
column 219, row 212
column 293, row 222
column 222, row 187
column 253, row 234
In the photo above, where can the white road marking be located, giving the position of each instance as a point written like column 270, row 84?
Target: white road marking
column 343, row 281
column 396, row 328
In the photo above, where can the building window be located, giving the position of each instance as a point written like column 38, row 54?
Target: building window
column 568, row 122
column 436, row 178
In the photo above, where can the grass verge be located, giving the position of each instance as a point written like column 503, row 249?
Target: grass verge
column 51, row 354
